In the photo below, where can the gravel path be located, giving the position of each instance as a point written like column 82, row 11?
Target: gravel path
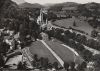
column 55, row 55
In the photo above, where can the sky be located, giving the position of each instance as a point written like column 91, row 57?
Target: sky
column 19, row 1
column 55, row 1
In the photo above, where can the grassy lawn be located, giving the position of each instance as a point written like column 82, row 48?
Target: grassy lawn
column 39, row 49
column 80, row 24
column 63, row 52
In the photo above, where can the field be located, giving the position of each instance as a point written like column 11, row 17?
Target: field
column 80, row 24
column 64, row 53
column 39, row 49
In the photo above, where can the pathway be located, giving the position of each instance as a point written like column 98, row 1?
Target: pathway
column 71, row 49
column 54, row 54
column 94, row 51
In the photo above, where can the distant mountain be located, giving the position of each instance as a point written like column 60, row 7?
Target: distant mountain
column 60, row 6
column 84, row 9
column 92, row 6
column 66, row 4
column 49, row 4
column 29, row 5
column 73, row 4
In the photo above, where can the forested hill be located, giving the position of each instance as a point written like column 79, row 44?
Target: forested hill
column 84, row 9
column 13, row 17
column 29, row 5
column 65, row 4
column 6, row 6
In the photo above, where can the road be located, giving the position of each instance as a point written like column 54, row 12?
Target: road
column 94, row 51
column 53, row 53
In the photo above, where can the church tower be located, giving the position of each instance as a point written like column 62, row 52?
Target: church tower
column 40, row 19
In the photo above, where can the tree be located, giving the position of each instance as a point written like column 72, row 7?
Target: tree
column 21, row 66
column 66, row 66
column 67, row 33
column 96, row 59
column 65, row 39
column 44, row 62
column 50, row 65
column 80, row 47
column 73, row 35
column 51, row 16
column 55, row 65
column 36, row 58
column 41, row 61
column 5, row 47
column 23, row 31
column 91, row 43
column 87, row 55
column 82, row 66
column 1, row 60
column 72, row 64
column 2, row 3
column 72, row 44
column 94, row 33
column 74, row 24
column 84, row 39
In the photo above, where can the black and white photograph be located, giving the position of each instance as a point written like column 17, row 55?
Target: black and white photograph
column 49, row 35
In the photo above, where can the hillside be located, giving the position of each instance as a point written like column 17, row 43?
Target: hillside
column 63, row 5
column 29, row 5
column 88, row 9
column 6, row 7
column 92, row 8
column 67, row 4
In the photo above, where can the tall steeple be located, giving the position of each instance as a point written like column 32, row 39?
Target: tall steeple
column 41, row 16
column 40, row 20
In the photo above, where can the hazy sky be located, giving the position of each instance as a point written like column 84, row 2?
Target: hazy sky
column 19, row 1
column 56, row 1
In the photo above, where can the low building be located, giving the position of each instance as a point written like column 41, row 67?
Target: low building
column 13, row 61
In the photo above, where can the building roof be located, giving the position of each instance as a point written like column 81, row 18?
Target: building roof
column 14, row 60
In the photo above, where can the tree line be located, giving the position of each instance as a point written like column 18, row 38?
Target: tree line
column 76, row 41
